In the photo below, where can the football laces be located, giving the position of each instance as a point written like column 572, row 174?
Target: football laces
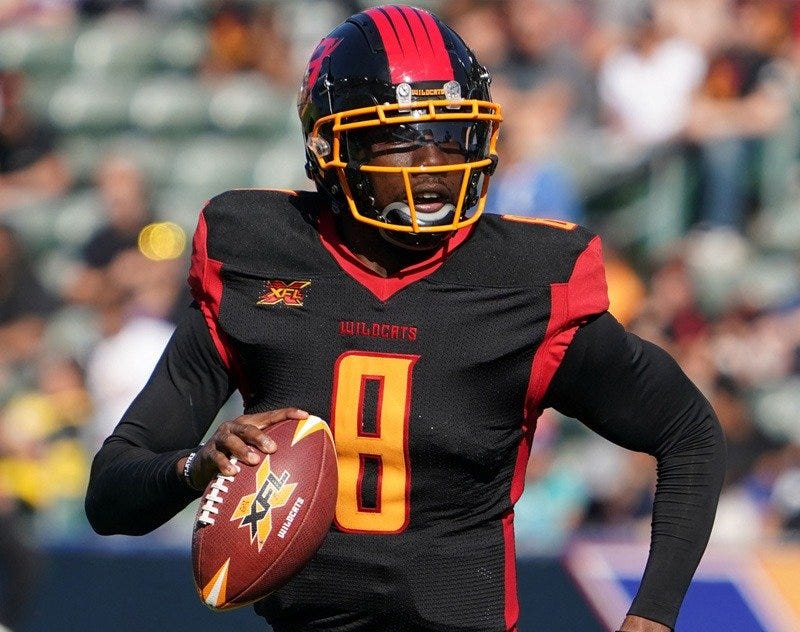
column 214, row 498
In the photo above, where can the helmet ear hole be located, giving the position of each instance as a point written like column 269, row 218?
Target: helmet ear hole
column 320, row 147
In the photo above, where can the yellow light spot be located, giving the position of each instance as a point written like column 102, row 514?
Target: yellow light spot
column 162, row 241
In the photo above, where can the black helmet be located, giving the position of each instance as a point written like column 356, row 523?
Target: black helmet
column 396, row 74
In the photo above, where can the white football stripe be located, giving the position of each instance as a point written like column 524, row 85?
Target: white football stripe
column 220, row 579
column 308, row 426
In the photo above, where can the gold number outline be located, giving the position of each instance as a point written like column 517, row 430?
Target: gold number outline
column 347, row 427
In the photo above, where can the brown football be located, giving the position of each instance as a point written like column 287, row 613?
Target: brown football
column 253, row 531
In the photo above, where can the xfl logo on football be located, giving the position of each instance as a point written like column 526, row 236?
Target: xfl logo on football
column 290, row 293
column 255, row 510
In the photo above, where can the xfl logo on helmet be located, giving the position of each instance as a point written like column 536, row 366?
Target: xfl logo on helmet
column 290, row 293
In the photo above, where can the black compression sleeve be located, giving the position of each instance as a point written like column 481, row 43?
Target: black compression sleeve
column 634, row 394
column 134, row 486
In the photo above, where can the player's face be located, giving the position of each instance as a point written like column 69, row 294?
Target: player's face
column 427, row 144
column 431, row 190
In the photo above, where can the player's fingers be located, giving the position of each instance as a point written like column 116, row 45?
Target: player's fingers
column 271, row 417
column 219, row 461
column 253, row 436
column 211, row 460
column 242, row 441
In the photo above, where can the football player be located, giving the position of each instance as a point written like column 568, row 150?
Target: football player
column 429, row 334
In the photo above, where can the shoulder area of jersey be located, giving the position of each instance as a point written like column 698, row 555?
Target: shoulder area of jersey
column 263, row 195
column 255, row 530
column 253, row 215
column 556, row 224
column 523, row 228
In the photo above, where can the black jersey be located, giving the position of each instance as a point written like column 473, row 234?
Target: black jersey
column 432, row 381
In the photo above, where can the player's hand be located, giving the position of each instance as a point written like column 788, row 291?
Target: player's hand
column 245, row 438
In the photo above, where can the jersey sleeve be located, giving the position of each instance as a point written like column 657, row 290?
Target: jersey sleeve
column 134, row 486
column 633, row 393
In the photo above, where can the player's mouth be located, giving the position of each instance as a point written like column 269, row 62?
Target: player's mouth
column 434, row 203
column 429, row 202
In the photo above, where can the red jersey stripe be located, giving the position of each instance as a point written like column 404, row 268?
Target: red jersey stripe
column 585, row 294
column 415, row 49
column 384, row 288
column 206, row 284
column 511, row 605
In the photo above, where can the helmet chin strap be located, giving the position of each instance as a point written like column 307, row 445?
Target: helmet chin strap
column 413, row 241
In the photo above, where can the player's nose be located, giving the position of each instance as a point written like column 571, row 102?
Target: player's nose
column 429, row 154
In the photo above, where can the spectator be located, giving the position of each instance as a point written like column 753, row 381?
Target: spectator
column 785, row 499
column 530, row 180
column 42, row 467
column 647, row 84
column 247, row 37
column 273, row 53
column 536, row 86
column 47, row 13
column 621, row 485
column 229, row 40
column 25, row 306
column 134, row 306
column 743, row 101
column 93, row 8
column 40, row 427
column 482, row 23
column 543, row 55
column 755, row 464
column 626, row 289
column 672, row 307
column 31, row 169
column 125, row 198
column 748, row 445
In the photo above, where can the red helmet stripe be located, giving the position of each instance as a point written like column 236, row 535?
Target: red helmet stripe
column 414, row 45
column 324, row 49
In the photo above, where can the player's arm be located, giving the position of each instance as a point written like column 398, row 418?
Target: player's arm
column 135, row 483
column 633, row 393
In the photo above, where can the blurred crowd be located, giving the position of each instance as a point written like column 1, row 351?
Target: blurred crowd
column 668, row 126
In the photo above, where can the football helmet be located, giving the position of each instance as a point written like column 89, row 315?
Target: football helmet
column 396, row 77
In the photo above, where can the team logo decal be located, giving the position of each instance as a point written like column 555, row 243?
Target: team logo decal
column 255, row 510
column 325, row 48
column 289, row 293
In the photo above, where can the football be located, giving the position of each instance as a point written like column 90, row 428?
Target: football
column 253, row 531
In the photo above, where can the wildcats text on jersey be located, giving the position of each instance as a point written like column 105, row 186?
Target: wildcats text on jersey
column 386, row 331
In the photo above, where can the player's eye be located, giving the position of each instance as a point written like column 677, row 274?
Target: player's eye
column 465, row 138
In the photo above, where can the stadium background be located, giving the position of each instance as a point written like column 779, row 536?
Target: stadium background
column 622, row 114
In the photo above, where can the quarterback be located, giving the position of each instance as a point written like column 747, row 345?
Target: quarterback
column 429, row 334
